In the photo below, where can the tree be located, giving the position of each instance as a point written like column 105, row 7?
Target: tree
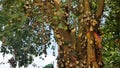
column 75, row 24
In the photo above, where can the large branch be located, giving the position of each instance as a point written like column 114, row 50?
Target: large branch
column 100, row 9
column 86, row 6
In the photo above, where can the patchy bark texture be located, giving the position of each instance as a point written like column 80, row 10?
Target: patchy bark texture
column 83, row 52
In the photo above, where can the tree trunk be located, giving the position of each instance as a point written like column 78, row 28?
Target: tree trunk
column 83, row 51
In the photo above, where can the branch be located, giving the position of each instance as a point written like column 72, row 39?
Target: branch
column 86, row 6
column 100, row 9
column 57, row 2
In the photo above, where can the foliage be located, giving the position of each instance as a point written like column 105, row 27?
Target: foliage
column 21, row 35
column 111, row 37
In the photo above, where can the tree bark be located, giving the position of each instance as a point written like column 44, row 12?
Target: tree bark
column 100, row 9
column 83, row 52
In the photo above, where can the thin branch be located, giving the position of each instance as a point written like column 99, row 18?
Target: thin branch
column 86, row 6
column 100, row 9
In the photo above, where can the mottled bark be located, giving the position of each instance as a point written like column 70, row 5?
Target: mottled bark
column 83, row 52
